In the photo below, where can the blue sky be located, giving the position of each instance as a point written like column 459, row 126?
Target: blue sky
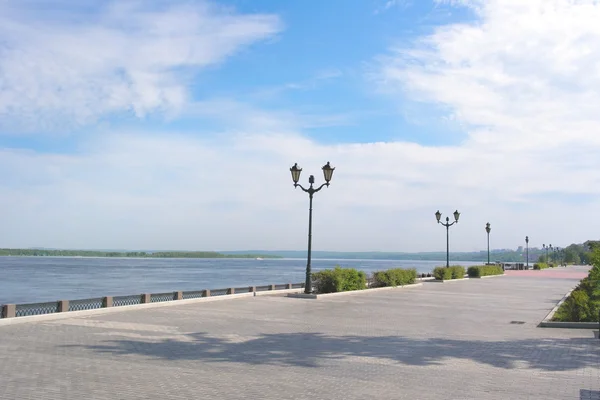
column 317, row 66
column 177, row 122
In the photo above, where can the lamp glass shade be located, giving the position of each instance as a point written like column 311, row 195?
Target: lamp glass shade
column 327, row 172
column 295, row 173
column 456, row 215
column 438, row 215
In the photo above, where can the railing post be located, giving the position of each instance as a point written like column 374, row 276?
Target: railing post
column 231, row 291
column 9, row 311
column 271, row 287
column 206, row 293
column 178, row 295
column 107, row 302
column 145, row 298
column 289, row 286
column 63, row 305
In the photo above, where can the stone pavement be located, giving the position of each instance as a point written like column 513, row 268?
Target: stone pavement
column 472, row 339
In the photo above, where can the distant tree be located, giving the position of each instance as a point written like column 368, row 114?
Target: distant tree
column 591, row 245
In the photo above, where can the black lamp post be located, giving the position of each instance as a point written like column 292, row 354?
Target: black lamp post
column 488, row 229
column 546, row 249
column 527, row 251
column 327, row 174
column 438, row 216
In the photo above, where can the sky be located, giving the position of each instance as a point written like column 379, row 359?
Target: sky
column 172, row 125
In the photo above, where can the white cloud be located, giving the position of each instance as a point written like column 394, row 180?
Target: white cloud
column 172, row 191
column 524, row 79
column 62, row 62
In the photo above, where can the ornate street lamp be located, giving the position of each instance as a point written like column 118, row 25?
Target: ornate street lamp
column 438, row 216
column 488, row 229
column 327, row 175
column 527, row 246
column 546, row 248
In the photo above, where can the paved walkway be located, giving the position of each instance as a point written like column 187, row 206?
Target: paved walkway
column 439, row 341
column 560, row 273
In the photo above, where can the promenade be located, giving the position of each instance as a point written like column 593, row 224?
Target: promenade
column 471, row 339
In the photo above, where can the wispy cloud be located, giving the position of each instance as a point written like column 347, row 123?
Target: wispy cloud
column 60, row 62
column 318, row 80
column 391, row 4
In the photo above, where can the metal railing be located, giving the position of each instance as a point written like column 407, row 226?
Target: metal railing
column 86, row 304
column 22, row 310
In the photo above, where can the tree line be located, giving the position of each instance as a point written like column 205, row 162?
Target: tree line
column 572, row 254
column 137, row 254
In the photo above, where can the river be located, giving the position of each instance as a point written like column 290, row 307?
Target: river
column 39, row 279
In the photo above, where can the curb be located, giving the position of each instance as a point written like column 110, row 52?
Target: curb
column 487, row 276
column 134, row 307
column 569, row 325
column 449, row 280
column 325, row 295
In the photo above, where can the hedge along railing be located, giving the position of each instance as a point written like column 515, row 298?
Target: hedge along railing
column 22, row 310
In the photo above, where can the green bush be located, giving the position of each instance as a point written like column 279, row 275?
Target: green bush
column 477, row 271
column 540, row 265
column 583, row 304
column 442, row 273
column 447, row 273
column 576, row 308
column 395, row 277
column 458, row 271
column 339, row 280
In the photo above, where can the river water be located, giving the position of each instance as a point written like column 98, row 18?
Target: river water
column 39, row 279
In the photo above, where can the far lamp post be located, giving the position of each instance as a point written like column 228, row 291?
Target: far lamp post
column 546, row 249
column 327, row 174
column 488, row 229
column 527, row 251
column 438, row 216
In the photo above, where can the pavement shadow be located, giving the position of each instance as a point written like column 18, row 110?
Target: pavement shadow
column 589, row 394
column 309, row 349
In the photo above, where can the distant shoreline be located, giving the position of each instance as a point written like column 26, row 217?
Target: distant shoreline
column 128, row 254
column 497, row 256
